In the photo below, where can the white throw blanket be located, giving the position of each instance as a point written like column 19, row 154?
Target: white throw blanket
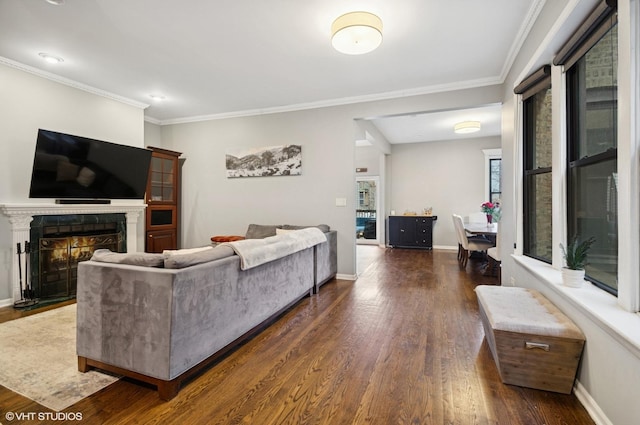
column 254, row 252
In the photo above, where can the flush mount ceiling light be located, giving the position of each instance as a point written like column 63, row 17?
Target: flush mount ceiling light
column 356, row 33
column 51, row 58
column 157, row 97
column 466, row 127
column 55, row 2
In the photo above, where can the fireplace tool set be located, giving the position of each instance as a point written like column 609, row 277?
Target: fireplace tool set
column 27, row 294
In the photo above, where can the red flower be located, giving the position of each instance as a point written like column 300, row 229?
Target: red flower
column 488, row 207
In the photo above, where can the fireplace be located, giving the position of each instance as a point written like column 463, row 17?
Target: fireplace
column 60, row 242
column 21, row 216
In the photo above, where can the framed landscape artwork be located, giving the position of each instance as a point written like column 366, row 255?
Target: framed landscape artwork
column 283, row 160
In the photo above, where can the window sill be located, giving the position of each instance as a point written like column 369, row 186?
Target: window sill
column 601, row 307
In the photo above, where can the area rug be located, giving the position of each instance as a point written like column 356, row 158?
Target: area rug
column 38, row 358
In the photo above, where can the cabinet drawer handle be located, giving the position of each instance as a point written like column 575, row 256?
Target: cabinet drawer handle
column 532, row 345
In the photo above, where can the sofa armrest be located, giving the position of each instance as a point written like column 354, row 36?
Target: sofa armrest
column 124, row 316
column 326, row 259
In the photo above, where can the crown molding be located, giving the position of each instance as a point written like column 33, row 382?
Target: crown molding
column 71, row 83
column 530, row 19
column 460, row 85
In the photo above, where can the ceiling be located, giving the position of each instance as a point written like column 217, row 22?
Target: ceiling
column 212, row 59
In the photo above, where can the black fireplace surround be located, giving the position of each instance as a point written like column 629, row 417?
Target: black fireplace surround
column 59, row 242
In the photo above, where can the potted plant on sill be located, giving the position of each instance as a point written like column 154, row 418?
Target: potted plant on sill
column 575, row 257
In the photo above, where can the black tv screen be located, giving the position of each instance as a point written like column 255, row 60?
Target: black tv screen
column 74, row 167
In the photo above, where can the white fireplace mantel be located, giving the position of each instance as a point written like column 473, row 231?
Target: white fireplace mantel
column 21, row 215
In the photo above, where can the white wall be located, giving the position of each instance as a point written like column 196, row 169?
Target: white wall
column 609, row 373
column 152, row 134
column 30, row 102
column 215, row 205
column 368, row 157
column 448, row 176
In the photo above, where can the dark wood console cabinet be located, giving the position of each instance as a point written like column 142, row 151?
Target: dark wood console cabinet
column 162, row 201
column 410, row 231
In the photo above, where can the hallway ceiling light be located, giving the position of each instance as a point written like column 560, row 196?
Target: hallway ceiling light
column 466, row 127
column 50, row 58
column 356, row 33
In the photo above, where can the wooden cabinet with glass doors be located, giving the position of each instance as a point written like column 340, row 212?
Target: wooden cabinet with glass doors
column 162, row 201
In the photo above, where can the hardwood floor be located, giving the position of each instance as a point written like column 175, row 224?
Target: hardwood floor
column 401, row 345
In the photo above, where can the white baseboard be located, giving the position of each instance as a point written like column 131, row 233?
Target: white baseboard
column 6, row 302
column 447, row 247
column 346, row 276
column 590, row 405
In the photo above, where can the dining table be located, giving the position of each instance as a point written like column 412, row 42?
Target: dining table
column 484, row 229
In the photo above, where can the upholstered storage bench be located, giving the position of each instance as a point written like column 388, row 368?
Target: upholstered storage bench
column 532, row 342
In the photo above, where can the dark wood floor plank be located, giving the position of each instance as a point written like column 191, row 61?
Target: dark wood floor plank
column 401, row 345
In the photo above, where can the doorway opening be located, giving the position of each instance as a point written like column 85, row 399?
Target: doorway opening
column 367, row 210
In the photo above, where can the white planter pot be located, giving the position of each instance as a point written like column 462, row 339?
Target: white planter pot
column 572, row 278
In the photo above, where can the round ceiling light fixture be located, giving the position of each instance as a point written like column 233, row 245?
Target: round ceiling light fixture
column 157, row 97
column 466, row 127
column 50, row 58
column 356, row 33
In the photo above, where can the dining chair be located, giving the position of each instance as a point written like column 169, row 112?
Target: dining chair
column 467, row 244
column 480, row 218
column 477, row 217
column 458, row 237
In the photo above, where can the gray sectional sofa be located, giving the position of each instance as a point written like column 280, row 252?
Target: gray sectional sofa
column 326, row 262
column 161, row 318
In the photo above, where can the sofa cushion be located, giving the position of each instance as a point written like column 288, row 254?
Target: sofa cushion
column 323, row 227
column 261, row 231
column 146, row 259
column 184, row 258
column 167, row 252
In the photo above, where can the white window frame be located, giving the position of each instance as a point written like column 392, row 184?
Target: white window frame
column 622, row 323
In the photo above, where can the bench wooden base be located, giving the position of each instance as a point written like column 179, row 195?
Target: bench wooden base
column 533, row 360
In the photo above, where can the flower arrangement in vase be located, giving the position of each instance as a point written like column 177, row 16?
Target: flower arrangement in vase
column 492, row 211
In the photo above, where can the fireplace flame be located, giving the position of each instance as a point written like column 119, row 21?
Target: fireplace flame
column 73, row 249
column 62, row 252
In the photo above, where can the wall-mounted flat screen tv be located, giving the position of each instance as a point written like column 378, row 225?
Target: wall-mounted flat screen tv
column 74, row 167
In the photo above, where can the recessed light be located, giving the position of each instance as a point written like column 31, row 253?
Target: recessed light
column 466, row 127
column 55, row 2
column 157, row 97
column 51, row 58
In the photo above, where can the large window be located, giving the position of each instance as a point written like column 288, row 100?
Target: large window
column 537, row 142
column 495, row 179
column 592, row 191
